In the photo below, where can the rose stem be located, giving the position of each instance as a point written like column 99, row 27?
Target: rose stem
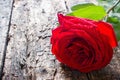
column 113, row 7
column 109, row 10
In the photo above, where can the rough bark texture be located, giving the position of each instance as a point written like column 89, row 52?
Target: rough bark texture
column 28, row 51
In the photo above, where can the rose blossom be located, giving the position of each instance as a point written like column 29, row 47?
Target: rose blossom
column 83, row 44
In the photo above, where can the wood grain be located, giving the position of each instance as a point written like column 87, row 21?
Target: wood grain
column 5, row 9
column 5, row 18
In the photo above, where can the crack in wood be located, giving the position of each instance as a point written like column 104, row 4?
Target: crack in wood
column 27, row 42
column 88, row 76
column 66, row 6
column 6, row 43
column 55, row 72
column 44, row 37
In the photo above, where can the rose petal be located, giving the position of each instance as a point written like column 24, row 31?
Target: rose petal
column 107, row 30
column 72, row 22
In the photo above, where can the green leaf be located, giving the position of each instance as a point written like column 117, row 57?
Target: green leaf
column 79, row 6
column 117, row 30
column 90, row 12
column 112, row 19
column 118, row 10
column 118, row 35
column 116, row 27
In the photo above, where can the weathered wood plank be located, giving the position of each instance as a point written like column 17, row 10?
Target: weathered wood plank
column 17, row 48
column 5, row 9
column 5, row 13
column 29, row 56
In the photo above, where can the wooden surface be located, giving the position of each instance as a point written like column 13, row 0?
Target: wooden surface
column 5, row 21
column 29, row 24
column 5, row 12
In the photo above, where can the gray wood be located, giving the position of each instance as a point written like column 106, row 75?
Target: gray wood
column 5, row 13
column 28, row 52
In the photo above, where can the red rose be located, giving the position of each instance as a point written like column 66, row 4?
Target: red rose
column 83, row 44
